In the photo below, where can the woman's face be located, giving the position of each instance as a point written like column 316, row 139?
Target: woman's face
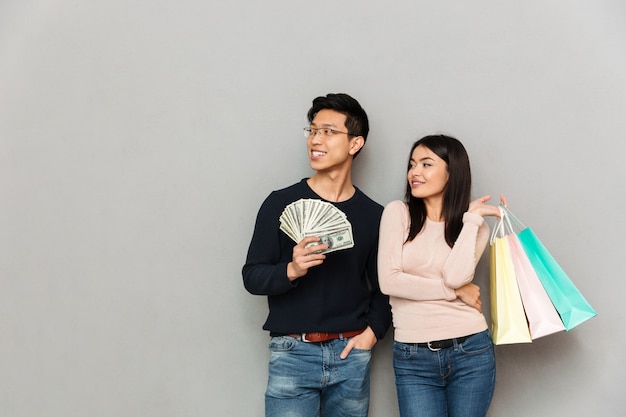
column 428, row 174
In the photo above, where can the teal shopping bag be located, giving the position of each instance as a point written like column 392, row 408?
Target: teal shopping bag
column 567, row 299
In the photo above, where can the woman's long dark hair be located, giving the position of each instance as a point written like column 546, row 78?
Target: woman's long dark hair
column 456, row 194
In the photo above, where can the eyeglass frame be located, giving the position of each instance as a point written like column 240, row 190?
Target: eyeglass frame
column 313, row 131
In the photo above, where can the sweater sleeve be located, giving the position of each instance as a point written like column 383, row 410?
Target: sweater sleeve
column 265, row 270
column 394, row 281
column 460, row 265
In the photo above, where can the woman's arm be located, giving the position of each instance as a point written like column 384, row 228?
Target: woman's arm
column 461, row 264
column 394, row 281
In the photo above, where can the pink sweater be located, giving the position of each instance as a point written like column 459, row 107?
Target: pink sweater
column 420, row 276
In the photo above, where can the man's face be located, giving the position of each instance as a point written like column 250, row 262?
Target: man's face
column 329, row 145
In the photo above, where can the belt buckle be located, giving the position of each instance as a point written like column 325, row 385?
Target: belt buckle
column 432, row 349
column 303, row 338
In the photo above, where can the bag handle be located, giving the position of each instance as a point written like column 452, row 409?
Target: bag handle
column 499, row 227
column 515, row 225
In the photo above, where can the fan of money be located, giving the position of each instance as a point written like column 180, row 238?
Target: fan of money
column 311, row 217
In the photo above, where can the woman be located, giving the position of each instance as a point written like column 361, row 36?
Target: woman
column 428, row 250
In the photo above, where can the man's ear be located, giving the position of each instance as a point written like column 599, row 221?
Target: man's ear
column 356, row 144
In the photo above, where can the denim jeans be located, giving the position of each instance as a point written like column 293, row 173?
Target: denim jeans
column 310, row 380
column 454, row 382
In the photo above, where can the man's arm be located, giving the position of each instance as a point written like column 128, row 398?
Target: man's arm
column 379, row 313
column 265, row 270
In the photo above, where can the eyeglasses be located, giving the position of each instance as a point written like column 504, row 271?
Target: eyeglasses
column 324, row 131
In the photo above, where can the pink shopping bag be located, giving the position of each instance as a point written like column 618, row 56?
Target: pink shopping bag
column 543, row 319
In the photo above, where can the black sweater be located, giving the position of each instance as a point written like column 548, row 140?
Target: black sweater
column 342, row 294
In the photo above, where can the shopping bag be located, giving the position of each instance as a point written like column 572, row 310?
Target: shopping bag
column 508, row 320
column 572, row 307
column 543, row 319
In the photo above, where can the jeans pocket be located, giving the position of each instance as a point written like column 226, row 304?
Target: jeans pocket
column 401, row 350
column 342, row 343
column 478, row 343
column 282, row 344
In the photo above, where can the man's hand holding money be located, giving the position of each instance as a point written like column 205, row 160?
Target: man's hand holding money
column 306, row 254
column 318, row 227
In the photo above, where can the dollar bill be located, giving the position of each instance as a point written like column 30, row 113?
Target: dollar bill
column 341, row 239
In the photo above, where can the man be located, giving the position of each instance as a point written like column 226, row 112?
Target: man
column 326, row 311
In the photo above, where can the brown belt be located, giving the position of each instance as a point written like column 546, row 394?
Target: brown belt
column 316, row 337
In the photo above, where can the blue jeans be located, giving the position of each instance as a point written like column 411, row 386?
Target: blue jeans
column 454, row 382
column 310, row 380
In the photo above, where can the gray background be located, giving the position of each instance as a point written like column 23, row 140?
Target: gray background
column 138, row 139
